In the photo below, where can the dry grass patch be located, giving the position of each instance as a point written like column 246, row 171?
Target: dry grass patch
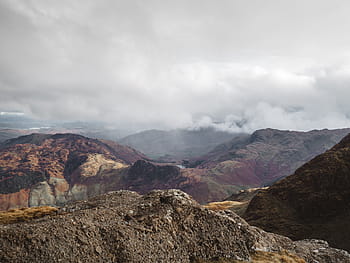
column 260, row 257
column 218, row 206
column 281, row 257
column 26, row 214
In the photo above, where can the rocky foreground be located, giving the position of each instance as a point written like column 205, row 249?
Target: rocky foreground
column 162, row 226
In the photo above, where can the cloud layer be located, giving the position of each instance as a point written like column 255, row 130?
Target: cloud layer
column 236, row 65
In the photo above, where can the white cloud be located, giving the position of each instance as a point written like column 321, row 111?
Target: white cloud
column 166, row 64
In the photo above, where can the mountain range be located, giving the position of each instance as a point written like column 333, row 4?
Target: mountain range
column 45, row 169
column 41, row 169
column 176, row 145
column 309, row 206
column 267, row 155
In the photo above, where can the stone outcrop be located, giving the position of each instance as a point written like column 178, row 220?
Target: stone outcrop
column 162, row 226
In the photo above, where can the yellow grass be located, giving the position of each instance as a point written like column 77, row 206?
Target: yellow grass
column 25, row 214
column 218, row 206
column 260, row 257
column 96, row 163
column 282, row 257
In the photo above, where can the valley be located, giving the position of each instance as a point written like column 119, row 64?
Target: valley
column 56, row 168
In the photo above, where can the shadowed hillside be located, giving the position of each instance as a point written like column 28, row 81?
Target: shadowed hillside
column 312, row 203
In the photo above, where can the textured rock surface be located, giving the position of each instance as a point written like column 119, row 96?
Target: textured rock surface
column 41, row 194
column 162, row 226
column 18, row 199
column 313, row 202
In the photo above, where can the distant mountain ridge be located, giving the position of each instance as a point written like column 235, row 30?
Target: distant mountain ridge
column 265, row 156
column 6, row 134
column 176, row 144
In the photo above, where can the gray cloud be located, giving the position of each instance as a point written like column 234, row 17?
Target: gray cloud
column 237, row 65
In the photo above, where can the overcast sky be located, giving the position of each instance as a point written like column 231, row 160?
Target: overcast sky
column 185, row 63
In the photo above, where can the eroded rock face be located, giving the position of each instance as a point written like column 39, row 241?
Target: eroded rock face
column 18, row 199
column 311, row 203
column 162, row 226
column 44, row 169
column 41, row 194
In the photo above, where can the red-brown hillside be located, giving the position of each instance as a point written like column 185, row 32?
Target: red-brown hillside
column 42, row 169
column 265, row 156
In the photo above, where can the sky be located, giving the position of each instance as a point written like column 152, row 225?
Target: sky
column 237, row 65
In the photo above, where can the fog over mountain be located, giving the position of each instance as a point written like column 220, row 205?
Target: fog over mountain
column 236, row 65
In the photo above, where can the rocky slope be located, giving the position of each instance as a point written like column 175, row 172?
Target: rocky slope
column 175, row 145
column 162, row 226
column 42, row 169
column 265, row 156
column 128, row 154
column 313, row 202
